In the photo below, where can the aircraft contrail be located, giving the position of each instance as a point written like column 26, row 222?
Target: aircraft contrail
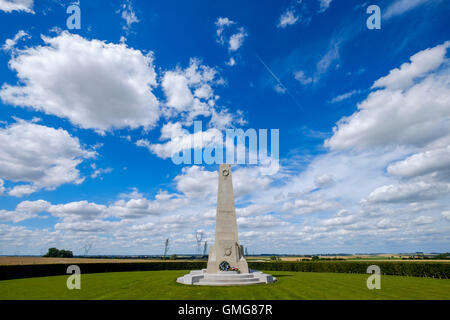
column 278, row 80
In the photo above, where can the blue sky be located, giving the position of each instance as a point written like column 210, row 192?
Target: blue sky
column 90, row 117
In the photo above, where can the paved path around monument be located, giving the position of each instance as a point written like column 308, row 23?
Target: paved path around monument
column 162, row 285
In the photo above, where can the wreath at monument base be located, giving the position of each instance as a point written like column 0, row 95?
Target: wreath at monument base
column 235, row 270
column 224, row 266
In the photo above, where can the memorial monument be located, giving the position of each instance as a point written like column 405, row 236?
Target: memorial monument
column 226, row 263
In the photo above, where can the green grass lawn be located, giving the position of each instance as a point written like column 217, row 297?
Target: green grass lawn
column 162, row 285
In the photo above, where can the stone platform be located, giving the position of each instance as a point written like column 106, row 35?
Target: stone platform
column 226, row 278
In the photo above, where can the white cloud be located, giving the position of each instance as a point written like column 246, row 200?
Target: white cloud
column 394, row 115
column 22, row 190
column 248, row 180
column 190, row 94
column 278, row 88
column 41, row 156
column 177, row 215
column 11, row 43
column 78, row 210
column 423, row 220
column 340, row 220
column 306, row 206
column 196, row 182
column 232, row 36
column 93, row 226
column 221, row 24
column 127, row 13
column 140, row 207
column 237, row 39
column 132, row 206
column 421, row 64
column 176, row 88
column 175, row 138
column 328, row 58
column 302, row 78
column 178, row 139
column 399, row 7
column 33, row 206
column 252, row 210
column 223, row 119
column 324, row 180
column 231, row 62
column 95, row 85
column 354, row 175
column 24, row 210
column 324, row 5
column 407, row 121
column 260, row 222
column 190, row 89
column 435, row 160
column 344, row 96
column 16, row 5
column 446, row 214
column 407, row 192
column 98, row 172
column 2, row 186
column 288, row 18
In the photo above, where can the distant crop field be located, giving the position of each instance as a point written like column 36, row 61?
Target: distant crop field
column 42, row 260
column 383, row 258
column 161, row 285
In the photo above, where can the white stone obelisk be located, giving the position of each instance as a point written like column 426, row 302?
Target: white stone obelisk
column 226, row 251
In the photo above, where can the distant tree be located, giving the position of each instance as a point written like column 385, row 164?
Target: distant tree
column 173, row 257
column 52, row 252
column 55, row 253
column 274, row 258
column 65, row 254
column 443, row 256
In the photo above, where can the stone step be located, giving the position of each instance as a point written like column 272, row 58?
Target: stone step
column 201, row 278
column 228, row 276
column 229, row 280
column 231, row 283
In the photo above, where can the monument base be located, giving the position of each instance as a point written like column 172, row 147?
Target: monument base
column 226, row 278
column 229, row 252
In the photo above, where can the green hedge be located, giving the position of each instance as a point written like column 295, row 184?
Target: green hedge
column 44, row 270
column 419, row 269
column 412, row 269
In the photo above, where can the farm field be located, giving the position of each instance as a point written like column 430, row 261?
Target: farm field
column 382, row 258
column 42, row 260
column 161, row 285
